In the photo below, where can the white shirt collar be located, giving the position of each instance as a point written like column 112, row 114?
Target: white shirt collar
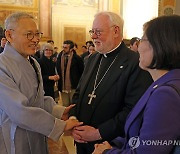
column 105, row 54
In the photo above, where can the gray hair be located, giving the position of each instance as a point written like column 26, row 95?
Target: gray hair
column 114, row 18
column 47, row 46
column 13, row 18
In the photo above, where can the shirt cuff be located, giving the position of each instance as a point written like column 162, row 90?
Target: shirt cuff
column 57, row 130
column 58, row 111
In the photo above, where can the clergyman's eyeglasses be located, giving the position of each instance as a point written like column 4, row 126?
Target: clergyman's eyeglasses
column 98, row 32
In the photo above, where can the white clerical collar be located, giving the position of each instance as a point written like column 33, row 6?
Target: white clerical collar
column 105, row 54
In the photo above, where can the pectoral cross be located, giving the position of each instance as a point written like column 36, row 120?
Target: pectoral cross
column 92, row 95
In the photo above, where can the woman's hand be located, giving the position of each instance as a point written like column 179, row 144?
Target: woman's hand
column 99, row 148
column 54, row 77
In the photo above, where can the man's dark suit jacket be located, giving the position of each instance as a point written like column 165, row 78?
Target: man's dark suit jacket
column 76, row 70
column 117, row 94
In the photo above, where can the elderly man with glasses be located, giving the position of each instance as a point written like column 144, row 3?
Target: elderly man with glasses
column 27, row 116
column 110, row 86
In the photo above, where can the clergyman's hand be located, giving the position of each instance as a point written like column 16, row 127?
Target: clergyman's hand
column 85, row 134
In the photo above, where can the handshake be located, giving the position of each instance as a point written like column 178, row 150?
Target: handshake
column 72, row 122
column 81, row 133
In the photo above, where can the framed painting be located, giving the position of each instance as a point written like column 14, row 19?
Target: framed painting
column 20, row 3
column 9, row 6
column 91, row 3
column 166, row 7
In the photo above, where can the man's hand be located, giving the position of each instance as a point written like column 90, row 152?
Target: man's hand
column 65, row 115
column 71, row 123
column 83, row 134
column 99, row 148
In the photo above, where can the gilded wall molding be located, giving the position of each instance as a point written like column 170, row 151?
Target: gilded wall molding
column 10, row 6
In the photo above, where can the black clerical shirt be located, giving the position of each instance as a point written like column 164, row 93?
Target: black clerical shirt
column 86, row 109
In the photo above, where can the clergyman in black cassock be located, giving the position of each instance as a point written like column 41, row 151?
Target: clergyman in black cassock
column 110, row 86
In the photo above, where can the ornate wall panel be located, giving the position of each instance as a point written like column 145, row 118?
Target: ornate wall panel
column 167, row 7
column 9, row 6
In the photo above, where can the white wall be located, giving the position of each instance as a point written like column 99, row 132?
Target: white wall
column 135, row 14
column 72, row 16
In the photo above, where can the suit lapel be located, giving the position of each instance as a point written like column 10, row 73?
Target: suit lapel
column 115, row 71
column 144, row 99
column 86, row 78
column 138, row 108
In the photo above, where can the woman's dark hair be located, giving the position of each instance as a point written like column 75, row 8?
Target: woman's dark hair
column 163, row 33
column 90, row 42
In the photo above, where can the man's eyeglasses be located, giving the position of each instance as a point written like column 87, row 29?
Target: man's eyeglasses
column 97, row 32
column 65, row 47
column 31, row 35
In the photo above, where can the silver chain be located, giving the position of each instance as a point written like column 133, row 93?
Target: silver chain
column 95, row 82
